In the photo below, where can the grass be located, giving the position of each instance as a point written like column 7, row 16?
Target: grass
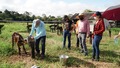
column 9, row 58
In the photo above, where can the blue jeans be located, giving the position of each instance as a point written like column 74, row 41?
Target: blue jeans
column 42, row 40
column 65, row 34
column 96, row 42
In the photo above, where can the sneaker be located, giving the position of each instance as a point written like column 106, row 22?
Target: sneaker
column 77, row 45
column 96, row 59
column 38, row 55
column 42, row 56
column 93, row 59
column 69, row 48
column 82, row 51
column 86, row 54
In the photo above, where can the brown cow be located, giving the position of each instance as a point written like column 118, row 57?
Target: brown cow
column 19, row 41
column 31, row 43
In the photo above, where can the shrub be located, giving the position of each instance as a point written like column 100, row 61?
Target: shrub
column 6, row 49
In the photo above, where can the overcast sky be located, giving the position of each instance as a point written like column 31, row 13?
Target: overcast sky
column 56, row 7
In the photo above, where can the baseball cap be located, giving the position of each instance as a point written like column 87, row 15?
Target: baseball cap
column 97, row 14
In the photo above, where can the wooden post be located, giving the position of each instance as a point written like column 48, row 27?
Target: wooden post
column 1, row 28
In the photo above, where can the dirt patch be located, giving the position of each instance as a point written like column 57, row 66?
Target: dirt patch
column 25, row 59
column 102, row 64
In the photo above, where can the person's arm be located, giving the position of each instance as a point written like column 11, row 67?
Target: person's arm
column 76, row 27
column 102, row 28
column 73, row 27
column 63, row 25
column 41, row 31
column 33, row 28
column 118, row 35
column 88, row 28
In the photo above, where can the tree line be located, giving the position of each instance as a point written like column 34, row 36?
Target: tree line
column 7, row 15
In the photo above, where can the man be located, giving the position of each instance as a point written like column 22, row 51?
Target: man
column 107, row 26
column 39, row 28
column 83, row 32
column 76, row 30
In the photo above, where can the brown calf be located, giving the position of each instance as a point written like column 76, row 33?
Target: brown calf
column 31, row 43
column 19, row 41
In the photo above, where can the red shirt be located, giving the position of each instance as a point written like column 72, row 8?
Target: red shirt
column 99, row 28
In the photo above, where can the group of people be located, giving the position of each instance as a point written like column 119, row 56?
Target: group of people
column 82, row 29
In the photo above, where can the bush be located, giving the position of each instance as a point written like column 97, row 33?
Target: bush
column 6, row 49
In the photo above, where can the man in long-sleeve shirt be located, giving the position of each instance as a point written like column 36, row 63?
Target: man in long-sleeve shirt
column 39, row 27
column 84, row 30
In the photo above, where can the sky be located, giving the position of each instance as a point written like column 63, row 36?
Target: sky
column 56, row 7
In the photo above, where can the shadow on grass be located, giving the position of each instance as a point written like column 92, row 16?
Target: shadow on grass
column 106, row 55
column 76, row 62
column 104, row 44
column 71, row 62
column 50, row 59
column 109, row 56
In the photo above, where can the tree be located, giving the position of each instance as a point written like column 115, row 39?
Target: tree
column 44, row 17
column 59, row 18
column 33, row 17
column 7, row 14
column 87, row 10
column 0, row 11
column 26, row 15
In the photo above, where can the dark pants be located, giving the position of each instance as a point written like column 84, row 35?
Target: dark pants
column 96, row 42
column 109, row 33
column 66, row 33
column 77, row 39
column 42, row 40
column 82, row 40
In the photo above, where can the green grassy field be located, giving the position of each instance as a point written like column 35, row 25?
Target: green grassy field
column 9, row 58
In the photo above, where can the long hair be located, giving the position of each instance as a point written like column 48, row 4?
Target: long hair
column 66, row 18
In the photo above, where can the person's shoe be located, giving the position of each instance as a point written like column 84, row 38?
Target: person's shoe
column 69, row 48
column 82, row 51
column 93, row 59
column 96, row 59
column 77, row 45
column 86, row 54
column 42, row 56
column 38, row 55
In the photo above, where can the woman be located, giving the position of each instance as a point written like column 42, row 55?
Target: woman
column 67, row 27
column 84, row 31
column 99, row 28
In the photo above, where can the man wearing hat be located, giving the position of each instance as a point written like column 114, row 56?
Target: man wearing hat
column 39, row 28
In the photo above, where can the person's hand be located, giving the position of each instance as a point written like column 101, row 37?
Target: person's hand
column 63, row 30
column 93, row 33
column 71, row 31
column 88, row 35
column 78, row 35
column 32, row 37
